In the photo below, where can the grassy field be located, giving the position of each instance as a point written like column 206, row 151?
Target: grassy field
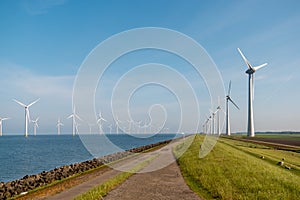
column 234, row 170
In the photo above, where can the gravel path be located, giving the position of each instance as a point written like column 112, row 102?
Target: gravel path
column 165, row 183
column 158, row 180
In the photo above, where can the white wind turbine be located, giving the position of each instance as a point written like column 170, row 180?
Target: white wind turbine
column 213, row 114
column 27, row 117
column 99, row 122
column 74, row 125
column 90, row 127
column 110, row 128
column 117, row 124
column 59, row 124
column 250, row 71
column 35, row 125
column 228, row 98
column 1, row 124
column 130, row 125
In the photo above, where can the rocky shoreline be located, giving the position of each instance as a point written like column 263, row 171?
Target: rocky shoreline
column 30, row 182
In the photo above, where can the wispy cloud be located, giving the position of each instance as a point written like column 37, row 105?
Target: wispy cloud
column 38, row 7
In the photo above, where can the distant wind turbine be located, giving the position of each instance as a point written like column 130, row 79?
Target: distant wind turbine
column 228, row 98
column 130, row 125
column 110, row 128
column 250, row 71
column 59, row 124
column 90, row 127
column 117, row 124
column 99, row 122
column 27, row 117
column 1, row 124
column 74, row 125
column 35, row 125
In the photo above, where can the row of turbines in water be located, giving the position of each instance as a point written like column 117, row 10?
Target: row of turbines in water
column 210, row 126
column 213, row 121
column 133, row 126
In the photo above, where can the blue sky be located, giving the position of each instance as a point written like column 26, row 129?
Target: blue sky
column 43, row 44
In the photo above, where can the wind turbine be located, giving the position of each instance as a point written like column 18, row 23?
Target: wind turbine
column 99, row 121
column 59, row 124
column 35, row 125
column 117, row 124
column 27, row 117
column 250, row 71
column 74, row 126
column 90, row 127
column 228, row 98
column 1, row 125
column 130, row 125
column 110, row 128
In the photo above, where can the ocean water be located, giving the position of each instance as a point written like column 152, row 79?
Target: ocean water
column 20, row 156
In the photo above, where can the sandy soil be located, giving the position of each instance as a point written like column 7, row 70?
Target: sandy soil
column 291, row 141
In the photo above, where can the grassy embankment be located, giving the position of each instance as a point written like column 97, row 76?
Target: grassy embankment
column 235, row 170
column 102, row 190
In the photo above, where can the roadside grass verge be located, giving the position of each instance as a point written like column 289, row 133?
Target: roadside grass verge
column 102, row 190
column 229, row 173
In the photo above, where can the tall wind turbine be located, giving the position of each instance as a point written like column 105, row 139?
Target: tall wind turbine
column 250, row 71
column 99, row 122
column 27, row 117
column 74, row 126
column 228, row 98
column 35, row 125
column 1, row 125
column 59, row 124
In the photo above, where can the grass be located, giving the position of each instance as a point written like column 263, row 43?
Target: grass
column 102, row 190
column 290, row 158
column 229, row 173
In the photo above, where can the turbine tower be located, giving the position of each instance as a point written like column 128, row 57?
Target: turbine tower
column 59, row 124
column 74, row 126
column 1, row 125
column 35, row 125
column 27, row 117
column 99, row 122
column 250, row 71
column 228, row 98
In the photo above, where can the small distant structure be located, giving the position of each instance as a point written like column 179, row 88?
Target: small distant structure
column 35, row 125
column 228, row 98
column 1, row 124
column 27, row 116
column 58, row 125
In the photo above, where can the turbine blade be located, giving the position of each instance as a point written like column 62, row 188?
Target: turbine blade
column 260, row 66
column 229, row 88
column 28, row 115
column 233, row 103
column 245, row 59
column 78, row 117
column 33, row 102
column 6, row 118
column 20, row 103
column 70, row 116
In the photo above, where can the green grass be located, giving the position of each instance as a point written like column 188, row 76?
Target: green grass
column 229, row 173
column 102, row 190
column 290, row 158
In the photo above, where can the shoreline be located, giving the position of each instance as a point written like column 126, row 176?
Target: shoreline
column 31, row 182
